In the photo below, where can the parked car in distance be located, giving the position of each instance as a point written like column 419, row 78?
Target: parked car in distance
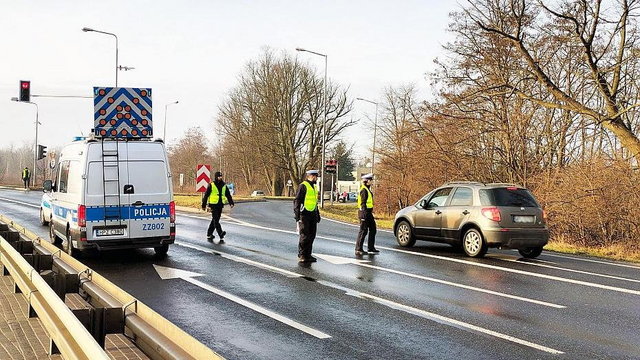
column 476, row 216
column 257, row 193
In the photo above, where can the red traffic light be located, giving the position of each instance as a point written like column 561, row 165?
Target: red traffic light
column 25, row 90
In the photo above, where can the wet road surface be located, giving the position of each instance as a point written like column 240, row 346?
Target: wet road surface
column 250, row 299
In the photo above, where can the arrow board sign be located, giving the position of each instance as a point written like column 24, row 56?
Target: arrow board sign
column 203, row 177
column 122, row 112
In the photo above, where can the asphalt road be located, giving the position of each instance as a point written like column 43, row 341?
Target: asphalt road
column 250, row 299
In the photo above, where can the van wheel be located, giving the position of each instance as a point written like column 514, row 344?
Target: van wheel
column 473, row 243
column 43, row 221
column 531, row 252
column 67, row 247
column 53, row 238
column 161, row 251
column 404, row 234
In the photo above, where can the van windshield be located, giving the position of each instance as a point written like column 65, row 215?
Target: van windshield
column 507, row 197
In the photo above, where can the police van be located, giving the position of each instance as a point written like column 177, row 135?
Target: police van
column 111, row 194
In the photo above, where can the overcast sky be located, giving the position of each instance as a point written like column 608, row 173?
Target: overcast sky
column 193, row 51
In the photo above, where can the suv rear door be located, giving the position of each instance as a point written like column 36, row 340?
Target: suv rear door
column 518, row 208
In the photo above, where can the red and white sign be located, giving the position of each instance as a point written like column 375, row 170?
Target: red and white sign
column 203, row 177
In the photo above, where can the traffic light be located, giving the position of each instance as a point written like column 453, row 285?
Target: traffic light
column 330, row 166
column 25, row 90
column 42, row 152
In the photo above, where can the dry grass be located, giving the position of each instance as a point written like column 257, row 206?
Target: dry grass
column 613, row 252
column 349, row 213
column 194, row 200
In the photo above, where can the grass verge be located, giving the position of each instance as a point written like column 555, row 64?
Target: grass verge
column 349, row 214
column 612, row 252
column 195, row 201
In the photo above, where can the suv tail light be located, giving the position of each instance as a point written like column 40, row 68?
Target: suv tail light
column 491, row 213
column 544, row 215
column 82, row 216
column 172, row 211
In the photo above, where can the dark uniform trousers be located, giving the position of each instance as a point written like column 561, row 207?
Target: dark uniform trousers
column 216, row 212
column 367, row 225
column 308, row 228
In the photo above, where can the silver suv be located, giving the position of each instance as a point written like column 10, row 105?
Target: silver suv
column 476, row 216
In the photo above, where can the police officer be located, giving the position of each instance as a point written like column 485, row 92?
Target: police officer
column 365, row 214
column 26, row 176
column 307, row 215
column 217, row 195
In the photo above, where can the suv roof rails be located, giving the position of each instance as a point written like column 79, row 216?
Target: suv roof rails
column 505, row 184
column 463, row 183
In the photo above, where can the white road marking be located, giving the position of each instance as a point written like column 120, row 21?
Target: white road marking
column 457, row 323
column 594, row 261
column 238, row 259
column 20, row 202
column 569, row 270
column 170, row 273
column 363, row 263
column 467, row 262
column 397, row 306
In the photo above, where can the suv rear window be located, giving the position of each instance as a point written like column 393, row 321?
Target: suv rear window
column 507, row 197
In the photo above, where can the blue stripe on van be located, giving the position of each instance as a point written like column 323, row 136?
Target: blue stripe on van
column 62, row 212
column 145, row 212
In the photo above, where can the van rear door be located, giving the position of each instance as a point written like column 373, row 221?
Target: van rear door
column 107, row 214
column 149, row 190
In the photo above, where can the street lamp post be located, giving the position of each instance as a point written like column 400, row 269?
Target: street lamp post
column 375, row 129
column 324, row 123
column 35, row 150
column 164, row 132
column 86, row 29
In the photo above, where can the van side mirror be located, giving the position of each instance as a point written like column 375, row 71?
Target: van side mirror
column 47, row 185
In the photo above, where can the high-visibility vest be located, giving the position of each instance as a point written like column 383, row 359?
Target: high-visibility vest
column 369, row 198
column 25, row 173
column 214, row 197
column 311, row 197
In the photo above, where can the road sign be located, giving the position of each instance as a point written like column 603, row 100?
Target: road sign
column 203, row 177
column 122, row 112
column 181, row 180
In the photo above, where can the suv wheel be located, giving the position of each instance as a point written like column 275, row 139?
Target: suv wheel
column 473, row 243
column 531, row 252
column 404, row 234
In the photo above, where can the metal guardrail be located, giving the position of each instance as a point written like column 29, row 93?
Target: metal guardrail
column 68, row 336
column 157, row 337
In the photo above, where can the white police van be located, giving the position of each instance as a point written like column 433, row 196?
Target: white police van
column 111, row 194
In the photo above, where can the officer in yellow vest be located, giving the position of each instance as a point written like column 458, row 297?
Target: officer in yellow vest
column 217, row 195
column 307, row 215
column 365, row 214
column 26, row 177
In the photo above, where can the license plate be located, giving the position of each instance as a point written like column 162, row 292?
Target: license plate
column 109, row 232
column 524, row 219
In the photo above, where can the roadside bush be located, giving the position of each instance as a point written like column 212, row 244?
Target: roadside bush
column 592, row 204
